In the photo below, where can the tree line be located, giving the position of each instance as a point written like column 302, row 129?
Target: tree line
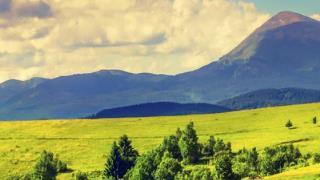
column 171, row 160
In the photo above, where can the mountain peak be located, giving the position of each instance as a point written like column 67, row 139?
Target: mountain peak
column 285, row 18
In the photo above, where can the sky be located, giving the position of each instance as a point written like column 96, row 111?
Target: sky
column 50, row 38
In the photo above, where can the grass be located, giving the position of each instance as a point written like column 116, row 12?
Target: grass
column 83, row 144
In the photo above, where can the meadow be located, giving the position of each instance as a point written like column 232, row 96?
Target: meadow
column 84, row 144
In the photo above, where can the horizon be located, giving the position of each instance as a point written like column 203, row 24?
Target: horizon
column 46, row 51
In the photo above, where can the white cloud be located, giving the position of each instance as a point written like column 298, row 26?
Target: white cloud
column 160, row 36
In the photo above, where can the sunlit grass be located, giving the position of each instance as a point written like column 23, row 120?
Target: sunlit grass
column 84, row 143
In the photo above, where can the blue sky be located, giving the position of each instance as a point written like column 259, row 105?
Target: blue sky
column 306, row 7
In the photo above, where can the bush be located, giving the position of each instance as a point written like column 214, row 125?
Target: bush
column 316, row 158
column 275, row 159
column 45, row 167
column 168, row 168
column 201, row 173
column 146, row 165
column 289, row 124
column 314, row 120
column 81, row 176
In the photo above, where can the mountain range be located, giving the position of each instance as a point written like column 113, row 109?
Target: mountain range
column 283, row 52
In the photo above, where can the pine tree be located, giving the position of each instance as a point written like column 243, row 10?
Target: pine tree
column 171, row 145
column 208, row 149
column 289, row 124
column 189, row 146
column 128, row 155
column 112, row 165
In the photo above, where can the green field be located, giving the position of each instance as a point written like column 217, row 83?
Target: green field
column 83, row 144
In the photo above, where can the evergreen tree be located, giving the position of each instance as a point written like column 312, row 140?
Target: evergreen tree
column 189, row 146
column 178, row 133
column 112, row 166
column 208, row 149
column 171, row 145
column 128, row 155
column 45, row 168
column 168, row 168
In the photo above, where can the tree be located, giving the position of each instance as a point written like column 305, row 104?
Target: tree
column 208, row 149
column 245, row 163
column 223, row 166
column 201, row 173
column 112, row 166
column 289, row 124
column 171, row 145
column 314, row 120
column 189, row 146
column 128, row 155
column 178, row 133
column 168, row 168
column 146, row 165
column 45, row 168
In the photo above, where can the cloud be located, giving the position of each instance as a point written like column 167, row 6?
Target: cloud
column 57, row 37
column 316, row 16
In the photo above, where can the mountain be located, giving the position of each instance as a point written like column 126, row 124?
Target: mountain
column 159, row 109
column 272, row 97
column 283, row 52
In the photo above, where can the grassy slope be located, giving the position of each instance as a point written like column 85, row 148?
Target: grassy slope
column 83, row 143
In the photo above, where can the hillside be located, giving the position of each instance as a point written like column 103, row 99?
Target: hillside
column 283, row 52
column 272, row 97
column 159, row 109
column 83, row 144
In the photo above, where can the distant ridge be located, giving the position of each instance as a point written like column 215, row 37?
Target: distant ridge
column 272, row 97
column 159, row 109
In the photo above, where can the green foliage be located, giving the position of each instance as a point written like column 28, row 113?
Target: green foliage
column 221, row 146
column 146, row 165
column 171, row 145
column 276, row 159
column 178, row 133
column 45, row 167
column 246, row 162
column 61, row 166
column 189, row 146
column 223, row 166
column 128, row 155
column 121, row 159
column 314, row 120
column 168, row 168
column 112, row 165
column 201, row 173
column 289, row 124
column 81, row 176
column 208, row 148
column 316, row 158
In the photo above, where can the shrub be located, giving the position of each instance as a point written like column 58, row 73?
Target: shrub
column 45, row 167
column 168, row 168
column 275, row 159
column 81, row 176
column 314, row 120
column 316, row 158
column 289, row 124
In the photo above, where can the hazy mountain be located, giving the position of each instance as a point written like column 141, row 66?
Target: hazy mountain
column 283, row 52
column 272, row 97
column 159, row 109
